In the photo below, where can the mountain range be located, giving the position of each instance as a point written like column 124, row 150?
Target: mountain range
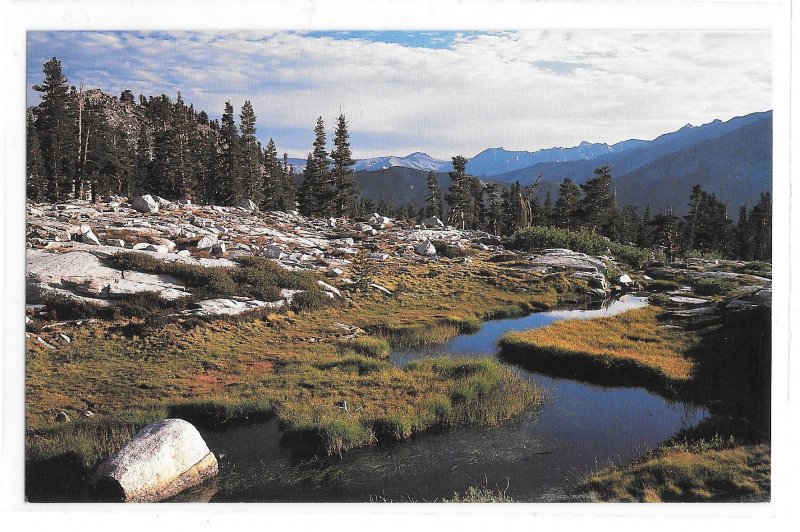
column 732, row 159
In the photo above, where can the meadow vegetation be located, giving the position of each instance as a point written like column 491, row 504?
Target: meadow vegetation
column 582, row 240
column 297, row 367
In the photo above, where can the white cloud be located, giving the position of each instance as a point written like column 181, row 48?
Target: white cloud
column 520, row 90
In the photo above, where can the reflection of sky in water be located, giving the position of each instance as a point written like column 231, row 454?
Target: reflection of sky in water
column 582, row 427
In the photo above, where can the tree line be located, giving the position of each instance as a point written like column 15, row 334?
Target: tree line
column 503, row 209
column 80, row 145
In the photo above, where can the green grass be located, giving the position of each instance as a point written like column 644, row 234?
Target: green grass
column 713, row 287
column 538, row 237
column 368, row 346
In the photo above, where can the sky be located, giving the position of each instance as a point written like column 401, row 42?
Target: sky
column 442, row 93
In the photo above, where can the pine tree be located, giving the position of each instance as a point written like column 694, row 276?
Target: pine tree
column 597, row 205
column 273, row 179
column 547, row 209
column 433, row 202
column 289, row 188
column 229, row 186
column 318, row 193
column 140, row 184
column 306, row 191
column 252, row 177
column 36, row 180
column 495, row 218
column 347, row 190
column 181, row 178
column 53, row 123
column 565, row 212
column 460, row 197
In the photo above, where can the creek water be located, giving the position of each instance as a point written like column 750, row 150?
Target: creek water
column 535, row 457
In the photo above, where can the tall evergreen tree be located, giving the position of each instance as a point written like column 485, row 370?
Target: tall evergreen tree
column 344, row 180
column 460, row 196
column 273, row 179
column 597, row 206
column 565, row 212
column 252, row 178
column 229, row 186
column 53, row 122
column 318, row 191
column 433, row 202
column 141, row 183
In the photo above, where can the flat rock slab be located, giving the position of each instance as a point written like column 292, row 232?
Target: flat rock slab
column 162, row 459
column 84, row 274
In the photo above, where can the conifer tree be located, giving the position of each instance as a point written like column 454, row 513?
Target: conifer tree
column 547, row 209
column 252, row 178
column 433, row 202
column 597, row 204
column 306, row 197
column 141, row 183
column 565, row 212
column 273, row 178
column 229, row 184
column 53, row 123
column 460, row 196
column 346, row 191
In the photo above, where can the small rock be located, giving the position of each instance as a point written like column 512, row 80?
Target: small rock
column 425, row 248
column 381, row 288
column 207, row 242
column 218, row 248
column 272, row 251
column 328, row 288
column 88, row 236
column 115, row 242
column 145, row 203
column 247, row 204
column 331, row 222
column 433, row 221
column 64, row 337
column 334, row 272
column 184, row 253
column 62, row 417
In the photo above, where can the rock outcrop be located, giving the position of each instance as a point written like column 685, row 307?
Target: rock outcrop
column 162, row 459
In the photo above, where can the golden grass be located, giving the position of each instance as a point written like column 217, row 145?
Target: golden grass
column 679, row 474
column 632, row 339
column 301, row 365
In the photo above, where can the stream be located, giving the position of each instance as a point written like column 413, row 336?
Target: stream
column 535, row 457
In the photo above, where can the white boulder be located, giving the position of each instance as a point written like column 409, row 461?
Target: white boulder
column 88, row 236
column 162, row 459
column 425, row 248
column 207, row 242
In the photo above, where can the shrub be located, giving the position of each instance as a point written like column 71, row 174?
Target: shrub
column 583, row 241
column 713, row 287
column 662, row 285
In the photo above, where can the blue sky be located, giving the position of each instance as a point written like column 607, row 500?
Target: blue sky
column 444, row 93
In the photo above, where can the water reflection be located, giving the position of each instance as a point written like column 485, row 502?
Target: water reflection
column 582, row 427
